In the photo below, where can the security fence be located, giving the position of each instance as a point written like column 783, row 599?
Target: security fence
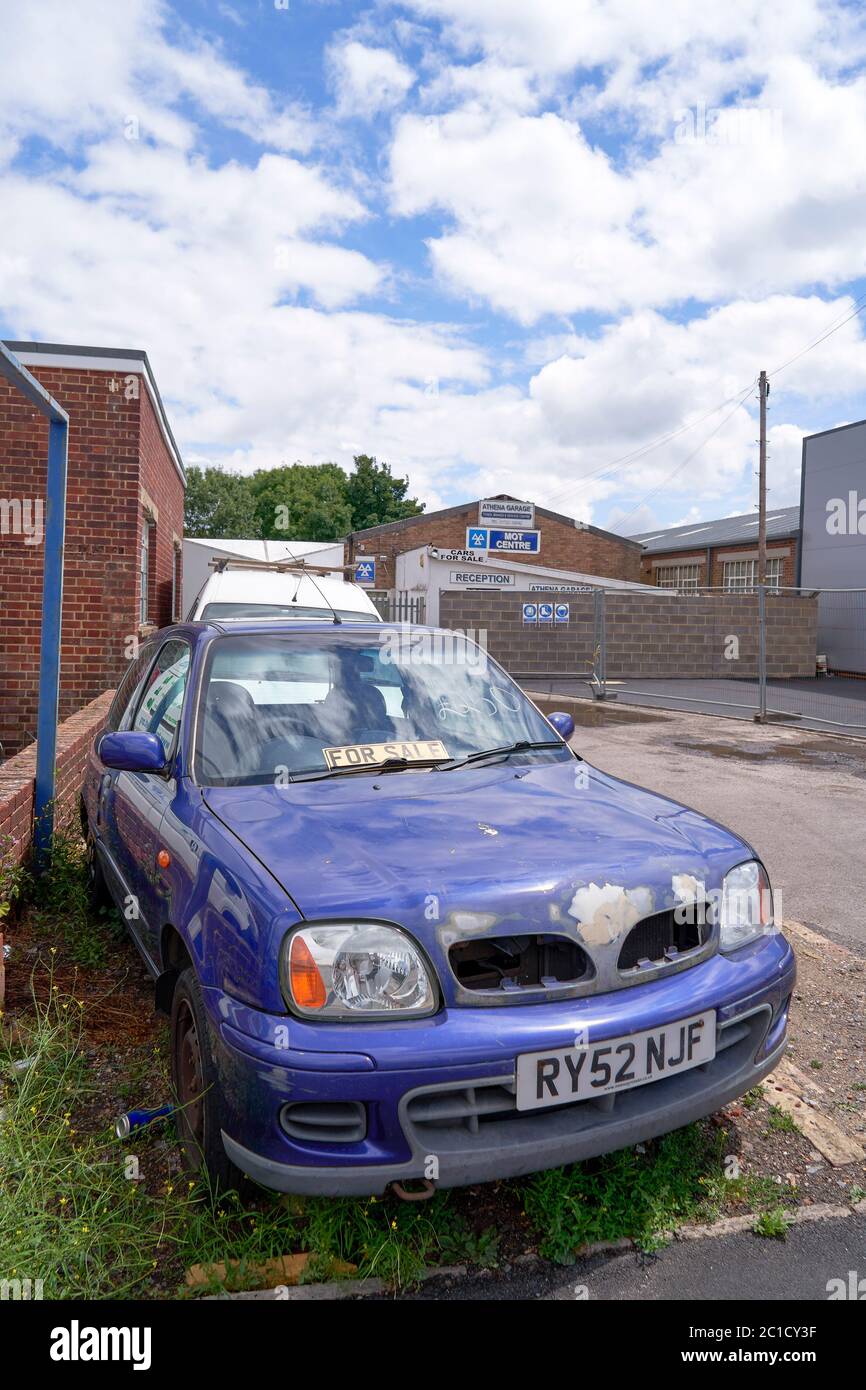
column 768, row 653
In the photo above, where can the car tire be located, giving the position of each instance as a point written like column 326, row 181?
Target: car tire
column 197, row 1091
column 98, row 894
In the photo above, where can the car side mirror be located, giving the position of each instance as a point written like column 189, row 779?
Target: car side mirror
column 562, row 723
column 132, row 751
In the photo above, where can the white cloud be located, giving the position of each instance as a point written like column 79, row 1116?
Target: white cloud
column 74, row 72
column 258, row 319
column 367, row 79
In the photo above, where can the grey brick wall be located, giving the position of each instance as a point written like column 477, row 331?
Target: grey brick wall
column 648, row 635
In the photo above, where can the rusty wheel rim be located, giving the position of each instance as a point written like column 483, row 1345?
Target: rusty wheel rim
column 189, row 1074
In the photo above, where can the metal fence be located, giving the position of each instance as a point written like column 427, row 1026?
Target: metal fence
column 400, row 606
column 776, row 655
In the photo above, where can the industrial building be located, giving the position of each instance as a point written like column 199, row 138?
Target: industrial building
column 721, row 554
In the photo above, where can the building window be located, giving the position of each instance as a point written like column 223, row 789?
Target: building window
column 743, row 574
column 677, row 577
column 144, row 571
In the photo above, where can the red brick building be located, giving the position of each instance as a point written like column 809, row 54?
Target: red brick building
column 124, row 525
column 565, row 544
column 721, row 554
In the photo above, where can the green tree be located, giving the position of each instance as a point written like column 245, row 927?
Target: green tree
column 219, row 504
column 302, row 502
column 375, row 496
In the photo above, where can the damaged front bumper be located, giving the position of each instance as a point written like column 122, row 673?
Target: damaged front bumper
column 437, row 1095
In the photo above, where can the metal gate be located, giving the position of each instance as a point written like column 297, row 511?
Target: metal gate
column 400, row 606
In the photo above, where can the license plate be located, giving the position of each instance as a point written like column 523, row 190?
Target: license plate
column 616, row 1064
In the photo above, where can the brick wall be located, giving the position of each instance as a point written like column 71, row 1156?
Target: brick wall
column 165, row 489
column 649, row 636
column 117, row 456
column 563, row 545
column 74, row 737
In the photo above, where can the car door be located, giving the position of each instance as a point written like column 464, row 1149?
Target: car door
column 138, row 800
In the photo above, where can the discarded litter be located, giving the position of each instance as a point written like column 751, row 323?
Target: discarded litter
column 125, row 1124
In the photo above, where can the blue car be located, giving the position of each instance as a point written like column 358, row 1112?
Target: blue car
column 403, row 932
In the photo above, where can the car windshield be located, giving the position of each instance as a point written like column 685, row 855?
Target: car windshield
column 213, row 612
column 276, row 706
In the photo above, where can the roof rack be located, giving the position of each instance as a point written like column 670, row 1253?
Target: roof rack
column 298, row 566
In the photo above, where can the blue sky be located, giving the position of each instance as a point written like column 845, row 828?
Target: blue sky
column 542, row 249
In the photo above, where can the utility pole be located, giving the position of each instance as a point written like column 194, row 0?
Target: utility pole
column 763, row 392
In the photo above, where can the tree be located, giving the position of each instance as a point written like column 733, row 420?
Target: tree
column 302, row 502
column 375, row 496
column 219, row 505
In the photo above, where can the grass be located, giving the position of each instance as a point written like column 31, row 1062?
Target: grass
column 61, row 907
column 780, row 1122
column 641, row 1193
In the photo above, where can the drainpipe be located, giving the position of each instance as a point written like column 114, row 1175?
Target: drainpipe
column 52, row 598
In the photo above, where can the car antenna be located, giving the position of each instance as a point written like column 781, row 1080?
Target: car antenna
column 320, row 590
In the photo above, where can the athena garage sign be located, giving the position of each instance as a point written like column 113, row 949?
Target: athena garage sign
column 497, row 511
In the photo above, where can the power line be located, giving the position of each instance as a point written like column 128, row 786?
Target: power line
column 606, row 469
column 859, row 306
column 680, row 466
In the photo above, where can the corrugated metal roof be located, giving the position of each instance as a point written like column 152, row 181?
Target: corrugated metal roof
column 782, row 522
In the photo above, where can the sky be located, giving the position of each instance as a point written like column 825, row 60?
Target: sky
column 535, row 248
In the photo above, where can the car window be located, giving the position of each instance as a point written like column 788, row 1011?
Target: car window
column 274, row 705
column 123, row 704
column 162, row 699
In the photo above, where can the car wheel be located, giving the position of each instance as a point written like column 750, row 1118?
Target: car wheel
column 198, row 1097
column 97, row 888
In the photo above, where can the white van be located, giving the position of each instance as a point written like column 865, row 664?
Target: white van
column 236, row 591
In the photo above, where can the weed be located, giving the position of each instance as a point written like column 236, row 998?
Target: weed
column 643, row 1195
column 773, row 1224
column 781, row 1122
column 753, row 1097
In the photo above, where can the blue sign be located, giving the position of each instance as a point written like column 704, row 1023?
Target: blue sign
column 530, row 612
column 477, row 537
column 514, row 542
column 545, row 612
column 560, row 613
column 365, row 572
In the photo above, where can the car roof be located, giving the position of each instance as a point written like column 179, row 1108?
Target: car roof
column 271, row 586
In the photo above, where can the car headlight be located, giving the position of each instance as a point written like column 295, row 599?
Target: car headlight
column 353, row 970
column 746, row 910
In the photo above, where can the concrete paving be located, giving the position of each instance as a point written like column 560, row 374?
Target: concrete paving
column 837, row 705
column 798, row 797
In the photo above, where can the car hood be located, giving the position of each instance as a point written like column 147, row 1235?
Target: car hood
column 542, row 847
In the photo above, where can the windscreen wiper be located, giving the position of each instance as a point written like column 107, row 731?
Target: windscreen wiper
column 389, row 765
column 522, row 746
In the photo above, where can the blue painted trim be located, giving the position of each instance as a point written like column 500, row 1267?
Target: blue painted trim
column 52, row 597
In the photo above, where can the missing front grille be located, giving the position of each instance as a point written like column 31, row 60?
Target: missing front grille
column 517, row 962
column 657, row 936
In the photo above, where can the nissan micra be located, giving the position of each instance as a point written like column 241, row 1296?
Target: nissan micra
column 403, row 931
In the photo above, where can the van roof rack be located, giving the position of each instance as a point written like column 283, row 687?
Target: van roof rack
column 298, row 566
